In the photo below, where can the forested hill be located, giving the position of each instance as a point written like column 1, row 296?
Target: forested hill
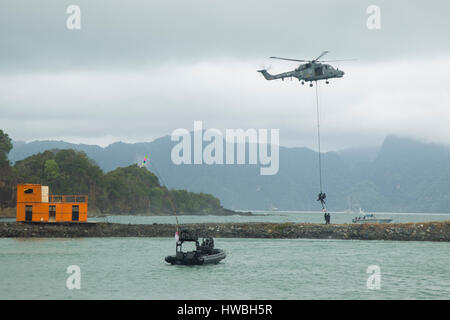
column 125, row 190
column 402, row 175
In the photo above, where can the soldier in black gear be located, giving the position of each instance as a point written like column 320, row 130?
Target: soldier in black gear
column 321, row 197
column 327, row 218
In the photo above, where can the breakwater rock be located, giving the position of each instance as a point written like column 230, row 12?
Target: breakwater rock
column 425, row 231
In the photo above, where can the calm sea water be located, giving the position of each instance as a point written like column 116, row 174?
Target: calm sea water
column 134, row 268
column 278, row 216
column 269, row 216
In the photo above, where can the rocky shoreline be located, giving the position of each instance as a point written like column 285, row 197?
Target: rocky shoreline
column 425, row 231
column 11, row 213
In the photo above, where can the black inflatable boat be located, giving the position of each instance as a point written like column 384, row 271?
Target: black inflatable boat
column 205, row 253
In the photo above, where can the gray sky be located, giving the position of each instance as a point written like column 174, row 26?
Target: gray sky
column 138, row 70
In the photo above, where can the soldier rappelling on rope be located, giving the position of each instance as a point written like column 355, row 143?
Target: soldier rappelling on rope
column 321, row 197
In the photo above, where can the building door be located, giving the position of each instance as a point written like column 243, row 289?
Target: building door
column 75, row 213
column 28, row 213
column 51, row 213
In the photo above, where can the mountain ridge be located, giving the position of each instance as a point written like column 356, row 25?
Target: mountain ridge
column 402, row 175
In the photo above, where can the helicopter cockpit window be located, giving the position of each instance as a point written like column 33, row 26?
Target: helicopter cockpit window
column 318, row 71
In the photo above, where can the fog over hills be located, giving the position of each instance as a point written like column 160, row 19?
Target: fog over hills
column 402, row 175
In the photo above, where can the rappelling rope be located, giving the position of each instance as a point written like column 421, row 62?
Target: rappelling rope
column 321, row 196
column 318, row 137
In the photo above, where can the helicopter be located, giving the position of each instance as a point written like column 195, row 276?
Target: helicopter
column 312, row 70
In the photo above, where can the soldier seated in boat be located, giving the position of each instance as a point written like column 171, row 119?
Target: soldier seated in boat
column 186, row 235
column 207, row 246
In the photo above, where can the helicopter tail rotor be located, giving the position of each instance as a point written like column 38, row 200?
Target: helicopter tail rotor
column 266, row 75
column 263, row 67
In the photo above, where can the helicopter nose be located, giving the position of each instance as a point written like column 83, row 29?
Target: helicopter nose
column 341, row 73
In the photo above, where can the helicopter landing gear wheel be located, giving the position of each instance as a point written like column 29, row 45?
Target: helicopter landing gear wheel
column 303, row 83
column 310, row 84
column 327, row 82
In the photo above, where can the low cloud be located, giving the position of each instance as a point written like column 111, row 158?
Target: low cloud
column 407, row 98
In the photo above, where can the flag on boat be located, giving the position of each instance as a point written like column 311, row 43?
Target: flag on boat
column 177, row 237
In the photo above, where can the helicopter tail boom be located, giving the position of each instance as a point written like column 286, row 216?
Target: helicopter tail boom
column 269, row 76
column 266, row 75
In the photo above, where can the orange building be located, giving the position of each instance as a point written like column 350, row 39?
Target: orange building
column 35, row 204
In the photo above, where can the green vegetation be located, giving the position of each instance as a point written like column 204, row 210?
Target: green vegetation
column 402, row 175
column 5, row 147
column 128, row 190
column 6, row 175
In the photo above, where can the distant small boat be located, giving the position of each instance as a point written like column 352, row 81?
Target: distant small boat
column 272, row 208
column 370, row 218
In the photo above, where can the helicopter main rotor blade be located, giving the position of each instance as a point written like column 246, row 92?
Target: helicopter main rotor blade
column 337, row 60
column 289, row 59
column 321, row 55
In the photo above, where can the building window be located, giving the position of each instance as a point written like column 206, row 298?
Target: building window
column 29, row 190
column 75, row 213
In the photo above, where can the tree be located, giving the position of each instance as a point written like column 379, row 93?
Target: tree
column 6, row 175
column 51, row 170
column 5, row 147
